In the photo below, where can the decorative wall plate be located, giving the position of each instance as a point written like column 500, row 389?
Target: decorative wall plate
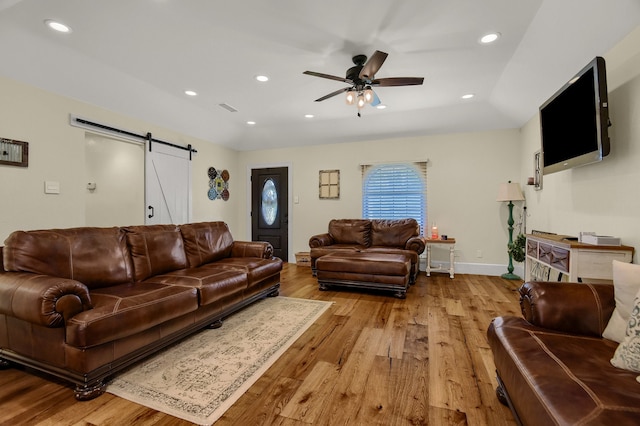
column 218, row 184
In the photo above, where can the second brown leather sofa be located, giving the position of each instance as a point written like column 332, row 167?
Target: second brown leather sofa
column 400, row 236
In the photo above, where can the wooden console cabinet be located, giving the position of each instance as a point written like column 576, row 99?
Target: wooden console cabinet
column 590, row 263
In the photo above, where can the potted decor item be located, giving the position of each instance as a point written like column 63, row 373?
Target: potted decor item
column 516, row 248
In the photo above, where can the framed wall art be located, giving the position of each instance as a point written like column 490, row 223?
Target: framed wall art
column 329, row 184
column 14, row 153
column 537, row 170
column 218, row 184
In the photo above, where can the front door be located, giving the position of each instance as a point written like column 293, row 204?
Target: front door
column 270, row 208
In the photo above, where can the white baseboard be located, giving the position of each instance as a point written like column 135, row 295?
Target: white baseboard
column 475, row 268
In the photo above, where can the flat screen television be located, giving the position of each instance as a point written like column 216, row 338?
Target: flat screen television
column 574, row 121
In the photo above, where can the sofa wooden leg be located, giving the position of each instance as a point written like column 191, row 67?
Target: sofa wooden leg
column 215, row 324
column 274, row 293
column 4, row 364
column 90, row 391
column 401, row 294
column 502, row 396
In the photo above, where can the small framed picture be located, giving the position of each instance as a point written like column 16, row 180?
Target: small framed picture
column 329, row 184
column 537, row 170
column 14, row 153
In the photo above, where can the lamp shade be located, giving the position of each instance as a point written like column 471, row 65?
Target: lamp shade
column 510, row 192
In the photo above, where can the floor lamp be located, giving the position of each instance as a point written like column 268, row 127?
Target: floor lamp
column 510, row 192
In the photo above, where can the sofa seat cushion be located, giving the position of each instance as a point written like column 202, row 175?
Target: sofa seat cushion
column 256, row 268
column 559, row 378
column 212, row 284
column 126, row 309
column 317, row 252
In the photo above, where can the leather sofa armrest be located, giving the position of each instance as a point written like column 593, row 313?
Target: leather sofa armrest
column 416, row 244
column 575, row 308
column 321, row 240
column 42, row 299
column 261, row 249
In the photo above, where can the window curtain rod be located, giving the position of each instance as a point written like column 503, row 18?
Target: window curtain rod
column 148, row 137
column 384, row 162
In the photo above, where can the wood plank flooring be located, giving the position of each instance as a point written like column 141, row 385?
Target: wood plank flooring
column 371, row 359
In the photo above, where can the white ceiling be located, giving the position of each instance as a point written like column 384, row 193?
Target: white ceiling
column 137, row 57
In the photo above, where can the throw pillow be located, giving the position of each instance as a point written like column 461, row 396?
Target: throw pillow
column 626, row 283
column 627, row 356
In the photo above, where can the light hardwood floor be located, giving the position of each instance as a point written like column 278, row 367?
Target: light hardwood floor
column 371, row 359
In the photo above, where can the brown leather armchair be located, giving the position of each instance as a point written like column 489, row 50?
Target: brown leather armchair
column 553, row 365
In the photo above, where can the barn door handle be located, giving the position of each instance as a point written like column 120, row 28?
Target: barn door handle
column 153, row 212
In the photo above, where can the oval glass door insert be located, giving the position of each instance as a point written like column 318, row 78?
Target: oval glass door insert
column 269, row 206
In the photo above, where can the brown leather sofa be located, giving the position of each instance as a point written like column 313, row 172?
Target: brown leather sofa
column 553, row 365
column 84, row 303
column 401, row 236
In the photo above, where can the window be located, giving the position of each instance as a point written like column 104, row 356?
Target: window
column 395, row 191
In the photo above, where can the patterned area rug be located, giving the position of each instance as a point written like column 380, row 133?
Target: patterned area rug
column 201, row 377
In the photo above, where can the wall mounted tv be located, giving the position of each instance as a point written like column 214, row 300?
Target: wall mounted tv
column 574, row 121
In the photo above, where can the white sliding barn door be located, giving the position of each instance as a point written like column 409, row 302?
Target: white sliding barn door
column 114, row 176
column 168, row 185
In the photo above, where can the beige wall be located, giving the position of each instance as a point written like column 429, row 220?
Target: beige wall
column 57, row 153
column 600, row 197
column 463, row 174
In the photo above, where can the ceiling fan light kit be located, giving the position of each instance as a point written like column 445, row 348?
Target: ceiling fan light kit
column 351, row 97
column 361, row 77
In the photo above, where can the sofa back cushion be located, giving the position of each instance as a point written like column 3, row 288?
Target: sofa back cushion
column 97, row 257
column 393, row 233
column 155, row 249
column 351, row 231
column 206, row 242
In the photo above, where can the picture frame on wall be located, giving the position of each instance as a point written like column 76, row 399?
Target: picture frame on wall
column 14, row 153
column 537, row 170
column 329, row 184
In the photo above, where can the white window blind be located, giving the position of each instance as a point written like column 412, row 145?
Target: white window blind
column 395, row 191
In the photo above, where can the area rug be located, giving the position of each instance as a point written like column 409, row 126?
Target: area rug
column 202, row 376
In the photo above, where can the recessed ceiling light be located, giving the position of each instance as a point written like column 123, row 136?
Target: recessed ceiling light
column 190, row 93
column 57, row 26
column 262, row 78
column 309, row 116
column 251, row 123
column 490, row 38
column 381, row 106
column 468, row 96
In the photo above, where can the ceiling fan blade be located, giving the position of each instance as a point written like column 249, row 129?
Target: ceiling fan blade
column 398, row 81
column 376, row 99
column 372, row 66
column 330, row 77
column 332, row 94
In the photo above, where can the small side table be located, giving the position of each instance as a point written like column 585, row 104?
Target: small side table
column 451, row 242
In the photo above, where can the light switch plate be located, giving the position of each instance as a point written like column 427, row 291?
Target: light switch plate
column 51, row 187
